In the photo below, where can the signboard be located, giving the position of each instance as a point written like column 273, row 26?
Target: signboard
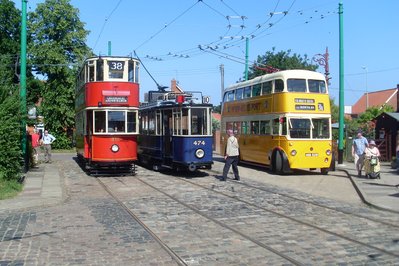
column 115, row 99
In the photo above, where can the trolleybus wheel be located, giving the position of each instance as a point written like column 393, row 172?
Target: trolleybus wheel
column 324, row 171
column 278, row 163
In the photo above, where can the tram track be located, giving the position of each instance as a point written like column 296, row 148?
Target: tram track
column 180, row 261
column 377, row 251
column 311, row 202
column 387, row 252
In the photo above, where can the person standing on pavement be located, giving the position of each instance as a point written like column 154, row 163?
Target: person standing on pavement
column 359, row 146
column 35, row 146
column 48, row 139
column 231, row 156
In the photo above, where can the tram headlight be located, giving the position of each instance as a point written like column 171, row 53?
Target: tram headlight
column 199, row 153
column 328, row 152
column 293, row 152
column 114, row 148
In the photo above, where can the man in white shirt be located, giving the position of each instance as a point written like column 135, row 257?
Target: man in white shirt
column 231, row 156
column 47, row 141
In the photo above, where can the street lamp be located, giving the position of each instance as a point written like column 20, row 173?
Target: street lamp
column 367, row 94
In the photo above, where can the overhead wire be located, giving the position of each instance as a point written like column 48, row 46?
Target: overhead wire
column 166, row 25
column 105, row 22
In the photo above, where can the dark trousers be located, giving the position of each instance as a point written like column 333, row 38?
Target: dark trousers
column 233, row 161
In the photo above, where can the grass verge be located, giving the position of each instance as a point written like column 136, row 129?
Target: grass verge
column 9, row 188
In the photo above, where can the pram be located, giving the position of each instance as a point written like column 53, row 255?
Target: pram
column 372, row 167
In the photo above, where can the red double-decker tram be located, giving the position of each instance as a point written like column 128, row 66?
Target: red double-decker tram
column 107, row 101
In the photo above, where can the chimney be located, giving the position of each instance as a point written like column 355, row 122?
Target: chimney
column 173, row 86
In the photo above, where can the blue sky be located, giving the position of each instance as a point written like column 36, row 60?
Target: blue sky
column 167, row 34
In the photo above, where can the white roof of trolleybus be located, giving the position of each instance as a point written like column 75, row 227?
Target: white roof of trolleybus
column 284, row 74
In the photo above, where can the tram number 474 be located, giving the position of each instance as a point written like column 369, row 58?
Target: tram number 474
column 199, row 142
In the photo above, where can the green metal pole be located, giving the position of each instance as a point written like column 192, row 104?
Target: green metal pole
column 246, row 57
column 341, row 85
column 109, row 48
column 22, row 92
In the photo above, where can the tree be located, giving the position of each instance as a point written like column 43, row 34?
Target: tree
column 57, row 47
column 366, row 120
column 282, row 60
column 10, row 143
column 10, row 27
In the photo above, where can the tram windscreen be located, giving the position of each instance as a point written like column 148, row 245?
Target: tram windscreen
column 199, row 121
column 116, row 121
column 99, row 121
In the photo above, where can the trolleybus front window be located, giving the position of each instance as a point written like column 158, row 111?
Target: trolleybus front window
column 299, row 128
column 321, row 129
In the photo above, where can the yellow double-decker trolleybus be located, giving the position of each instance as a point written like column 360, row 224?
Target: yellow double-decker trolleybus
column 282, row 120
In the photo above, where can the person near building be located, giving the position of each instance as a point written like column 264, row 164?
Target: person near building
column 231, row 156
column 359, row 146
column 47, row 139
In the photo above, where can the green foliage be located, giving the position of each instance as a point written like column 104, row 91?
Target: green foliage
column 215, row 124
column 282, row 60
column 217, row 109
column 366, row 121
column 10, row 142
column 58, row 45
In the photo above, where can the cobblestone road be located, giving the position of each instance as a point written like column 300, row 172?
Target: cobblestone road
column 204, row 221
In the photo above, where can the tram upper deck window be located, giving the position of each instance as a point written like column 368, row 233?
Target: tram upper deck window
column 131, row 71
column 278, row 85
column 100, row 70
column 115, row 69
column 317, row 86
column 296, row 85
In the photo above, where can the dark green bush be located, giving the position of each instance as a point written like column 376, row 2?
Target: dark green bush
column 10, row 141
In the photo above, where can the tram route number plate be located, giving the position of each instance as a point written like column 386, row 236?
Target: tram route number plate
column 311, row 154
